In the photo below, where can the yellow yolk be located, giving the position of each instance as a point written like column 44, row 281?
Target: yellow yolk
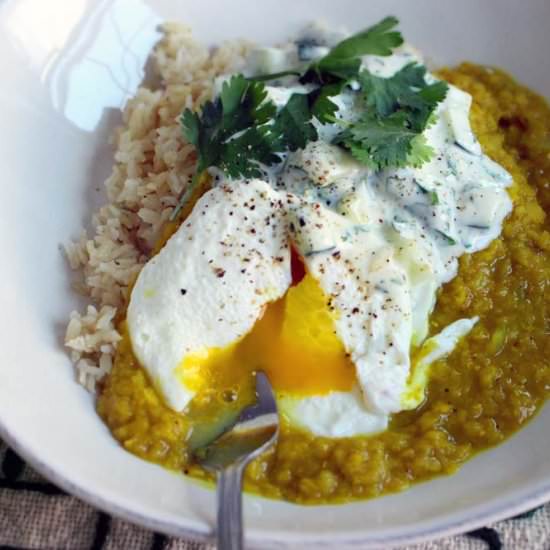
column 294, row 343
column 418, row 377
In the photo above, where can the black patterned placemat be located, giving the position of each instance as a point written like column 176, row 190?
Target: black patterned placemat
column 34, row 514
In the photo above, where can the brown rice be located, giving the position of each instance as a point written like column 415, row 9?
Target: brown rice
column 153, row 165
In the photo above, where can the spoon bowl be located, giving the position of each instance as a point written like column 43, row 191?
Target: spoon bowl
column 255, row 430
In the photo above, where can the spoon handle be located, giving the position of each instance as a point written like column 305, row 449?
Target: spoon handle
column 230, row 516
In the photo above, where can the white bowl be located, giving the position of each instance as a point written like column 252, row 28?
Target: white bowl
column 67, row 68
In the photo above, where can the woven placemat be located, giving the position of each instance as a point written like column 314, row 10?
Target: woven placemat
column 35, row 514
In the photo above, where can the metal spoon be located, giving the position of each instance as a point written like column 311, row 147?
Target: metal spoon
column 255, row 431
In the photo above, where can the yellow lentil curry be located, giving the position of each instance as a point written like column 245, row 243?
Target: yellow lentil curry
column 478, row 396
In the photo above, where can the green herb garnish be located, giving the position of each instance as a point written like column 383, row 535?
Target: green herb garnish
column 397, row 110
column 432, row 195
column 241, row 130
column 385, row 142
column 434, row 198
column 322, row 108
column 447, row 238
column 344, row 60
column 240, row 109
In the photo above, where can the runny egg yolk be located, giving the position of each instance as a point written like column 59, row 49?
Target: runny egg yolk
column 294, row 343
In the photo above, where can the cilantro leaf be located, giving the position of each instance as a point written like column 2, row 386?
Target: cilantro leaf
column 397, row 111
column 385, row 95
column 375, row 40
column 241, row 156
column 360, row 153
column 232, row 96
column 227, row 132
column 242, row 129
column 421, row 104
column 434, row 198
column 322, row 108
column 190, row 125
column 275, row 76
column 434, row 93
column 344, row 60
column 292, row 128
column 407, row 88
column 242, row 105
column 201, row 131
column 386, row 142
column 420, row 152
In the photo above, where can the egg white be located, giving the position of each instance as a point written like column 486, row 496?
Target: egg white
column 209, row 284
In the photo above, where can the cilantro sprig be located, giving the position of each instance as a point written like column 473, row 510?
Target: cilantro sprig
column 385, row 143
column 397, row 110
column 344, row 60
column 242, row 130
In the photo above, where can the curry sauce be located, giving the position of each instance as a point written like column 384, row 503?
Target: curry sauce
column 494, row 381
